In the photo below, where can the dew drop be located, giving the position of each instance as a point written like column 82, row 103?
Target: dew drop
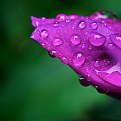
column 84, row 82
column 64, row 60
column 73, row 16
column 75, row 39
column 44, row 33
column 82, row 25
column 111, row 46
column 57, row 41
column 86, row 33
column 61, row 17
column 100, row 90
column 96, row 64
column 56, row 24
column 67, row 20
column 96, row 39
column 52, row 54
column 116, row 39
column 83, row 45
column 94, row 25
column 37, row 23
column 43, row 18
column 78, row 59
column 43, row 45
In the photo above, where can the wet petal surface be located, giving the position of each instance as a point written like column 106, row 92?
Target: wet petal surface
column 91, row 46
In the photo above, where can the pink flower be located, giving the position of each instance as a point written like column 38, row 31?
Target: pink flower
column 90, row 45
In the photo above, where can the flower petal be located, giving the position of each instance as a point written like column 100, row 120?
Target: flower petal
column 85, row 44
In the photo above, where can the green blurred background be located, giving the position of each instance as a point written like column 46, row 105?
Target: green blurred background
column 35, row 87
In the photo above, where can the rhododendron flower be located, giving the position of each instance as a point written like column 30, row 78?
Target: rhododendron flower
column 90, row 45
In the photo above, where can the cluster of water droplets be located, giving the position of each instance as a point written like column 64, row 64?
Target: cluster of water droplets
column 78, row 58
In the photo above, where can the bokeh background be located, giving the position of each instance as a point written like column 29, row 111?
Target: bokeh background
column 35, row 87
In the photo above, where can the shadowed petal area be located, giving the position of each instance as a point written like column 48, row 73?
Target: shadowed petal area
column 89, row 45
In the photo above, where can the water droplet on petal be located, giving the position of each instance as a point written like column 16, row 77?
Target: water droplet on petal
column 84, row 82
column 78, row 59
column 111, row 46
column 73, row 16
column 94, row 25
column 100, row 90
column 75, row 39
column 96, row 64
column 43, row 18
column 44, row 33
column 43, row 45
column 64, row 60
column 86, row 33
column 116, row 39
column 37, row 23
column 32, row 36
column 67, row 20
column 83, row 45
column 61, row 17
column 82, row 25
column 57, row 41
column 96, row 39
column 52, row 54
column 56, row 24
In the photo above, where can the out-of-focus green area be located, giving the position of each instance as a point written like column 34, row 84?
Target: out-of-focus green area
column 35, row 87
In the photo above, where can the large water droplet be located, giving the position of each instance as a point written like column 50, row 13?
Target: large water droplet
column 78, row 59
column 75, row 39
column 82, row 25
column 84, row 82
column 44, row 33
column 94, row 25
column 116, row 39
column 52, row 54
column 96, row 39
column 57, row 41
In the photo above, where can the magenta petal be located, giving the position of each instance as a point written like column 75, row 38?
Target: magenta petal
column 89, row 45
